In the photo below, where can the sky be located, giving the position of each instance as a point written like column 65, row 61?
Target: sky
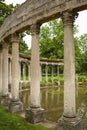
column 81, row 21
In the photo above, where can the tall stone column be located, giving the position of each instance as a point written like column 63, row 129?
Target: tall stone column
column 5, row 69
column 0, row 70
column 5, row 93
column 69, row 120
column 9, row 73
column 35, row 113
column 15, row 105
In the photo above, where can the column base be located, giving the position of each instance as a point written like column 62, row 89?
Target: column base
column 4, row 100
column 67, row 123
column 35, row 115
column 15, row 106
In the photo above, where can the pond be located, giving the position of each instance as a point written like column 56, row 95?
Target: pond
column 52, row 102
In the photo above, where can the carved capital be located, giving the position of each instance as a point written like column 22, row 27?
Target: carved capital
column 15, row 37
column 35, row 28
column 68, row 17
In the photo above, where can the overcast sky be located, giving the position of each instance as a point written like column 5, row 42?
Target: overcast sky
column 81, row 21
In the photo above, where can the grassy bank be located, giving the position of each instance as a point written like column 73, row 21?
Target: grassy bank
column 10, row 121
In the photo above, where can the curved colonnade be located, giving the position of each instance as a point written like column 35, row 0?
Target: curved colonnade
column 31, row 15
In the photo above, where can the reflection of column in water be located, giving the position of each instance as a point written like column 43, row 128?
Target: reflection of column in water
column 52, row 98
column 47, row 73
column 46, row 98
column 58, row 75
column 58, row 94
column 52, row 74
column 76, row 85
column 40, row 72
column 29, row 72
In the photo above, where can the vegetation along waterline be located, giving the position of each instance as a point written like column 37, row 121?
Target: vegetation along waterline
column 10, row 121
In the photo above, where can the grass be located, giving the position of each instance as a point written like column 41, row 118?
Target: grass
column 10, row 121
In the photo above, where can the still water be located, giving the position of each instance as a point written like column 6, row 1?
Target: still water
column 52, row 102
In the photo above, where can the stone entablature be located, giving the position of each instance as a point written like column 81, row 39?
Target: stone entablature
column 38, row 11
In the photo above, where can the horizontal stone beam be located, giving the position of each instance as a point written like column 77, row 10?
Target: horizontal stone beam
column 37, row 11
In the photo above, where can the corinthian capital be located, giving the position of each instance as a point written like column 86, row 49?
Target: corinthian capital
column 35, row 28
column 69, row 17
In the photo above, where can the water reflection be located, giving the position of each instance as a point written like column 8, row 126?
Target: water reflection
column 52, row 102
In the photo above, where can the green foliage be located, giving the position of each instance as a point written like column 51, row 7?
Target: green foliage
column 10, row 121
column 51, row 40
column 23, row 48
column 81, row 53
column 5, row 10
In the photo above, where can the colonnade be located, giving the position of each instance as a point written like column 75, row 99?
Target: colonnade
column 24, row 68
column 35, row 113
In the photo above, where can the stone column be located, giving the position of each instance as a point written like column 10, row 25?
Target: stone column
column 0, row 70
column 5, row 93
column 5, row 69
column 15, row 105
column 35, row 113
column 9, row 73
column 69, row 121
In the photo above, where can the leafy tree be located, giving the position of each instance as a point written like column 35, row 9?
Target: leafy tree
column 51, row 40
column 23, row 48
column 82, row 44
column 5, row 10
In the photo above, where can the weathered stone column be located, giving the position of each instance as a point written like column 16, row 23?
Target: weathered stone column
column 15, row 105
column 5, row 69
column 9, row 73
column 35, row 113
column 69, row 121
column 0, row 70
column 5, row 93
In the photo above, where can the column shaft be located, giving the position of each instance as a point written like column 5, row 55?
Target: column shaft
column 5, row 69
column 0, row 70
column 35, row 68
column 15, row 68
column 69, row 66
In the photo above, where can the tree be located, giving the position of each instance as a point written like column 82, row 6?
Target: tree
column 5, row 10
column 23, row 48
column 51, row 40
column 82, row 45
